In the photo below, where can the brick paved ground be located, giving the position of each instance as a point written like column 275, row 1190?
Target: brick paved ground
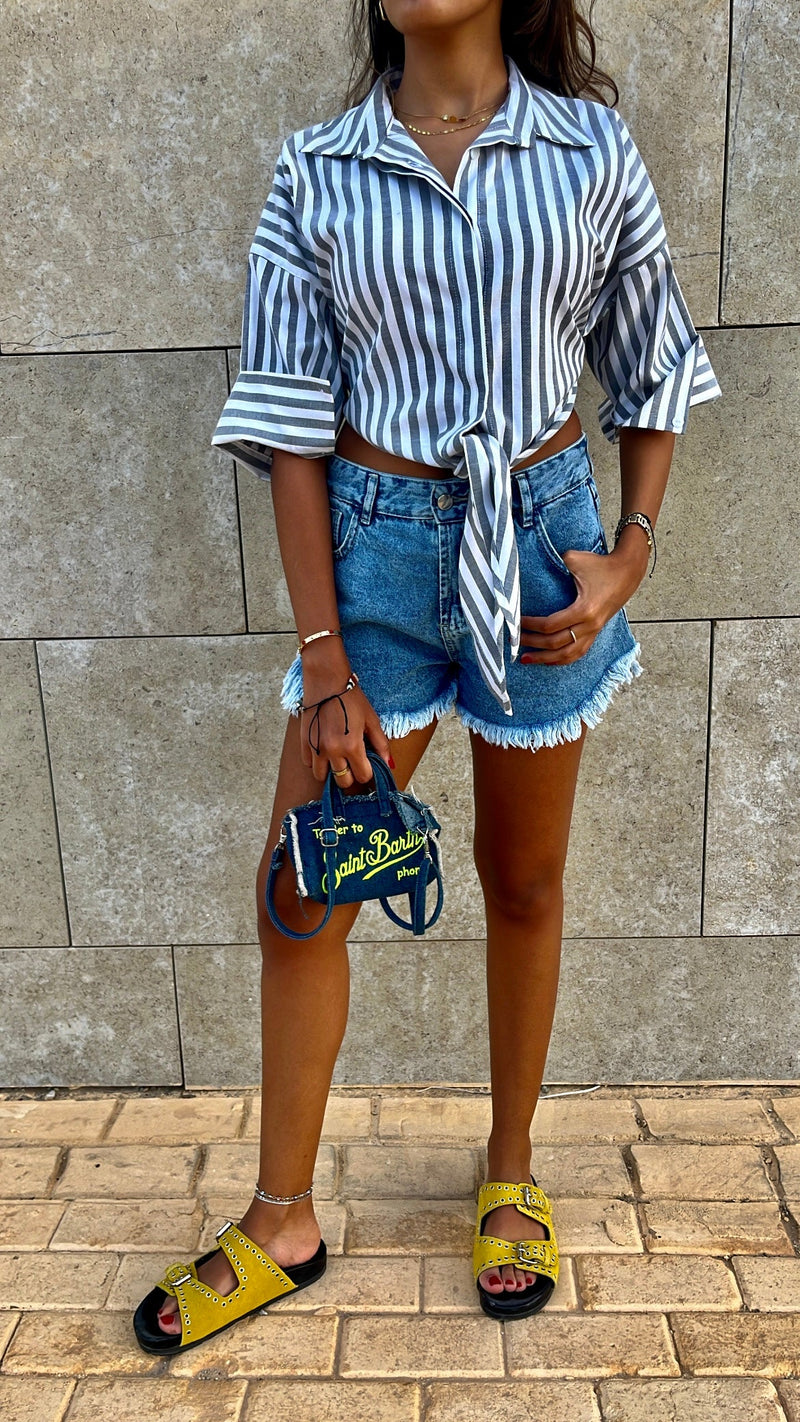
column 677, row 1215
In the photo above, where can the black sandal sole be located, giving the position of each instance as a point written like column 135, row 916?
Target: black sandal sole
column 152, row 1338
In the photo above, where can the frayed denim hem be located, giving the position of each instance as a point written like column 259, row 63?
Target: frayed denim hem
column 398, row 723
column 569, row 727
column 292, row 689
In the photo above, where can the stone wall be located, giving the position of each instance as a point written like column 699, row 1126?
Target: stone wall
column 147, row 626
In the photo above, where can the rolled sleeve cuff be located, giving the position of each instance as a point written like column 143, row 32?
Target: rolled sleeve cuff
column 690, row 382
column 272, row 411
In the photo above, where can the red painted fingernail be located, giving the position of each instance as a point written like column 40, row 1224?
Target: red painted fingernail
column 392, row 765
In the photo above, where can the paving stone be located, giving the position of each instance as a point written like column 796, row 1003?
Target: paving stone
column 707, row 1120
column 233, row 1167
column 655, row 1281
column 120, row 1171
column 690, row 1400
column 585, row 1118
column 26, row 1170
column 50, row 1280
column 164, row 1223
column 346, row 1118
column 701, row 1172
column 512, row 1402
column 356, row 1285
column 448, row 1286
column 166, row 1119
column 442, row 1118
column 331, row 1218
column 386, row 1171
column 590, row 1345
column 714, row 1227
column 78, row 1343
column 789, row 1393
column 765, row 1344
column 334, row 1401
column 264, row 1345
column 788, row 1108
column 421, row 1347
column 580, row 1170
column 160, row 1399
column 34, row 1399
column 28, row 1224
column 595, row 1226
column 410, row 1227
column 769, row 1285
column 62, row 1122
column 789, row 1161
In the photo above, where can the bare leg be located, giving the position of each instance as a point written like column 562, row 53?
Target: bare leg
column 523, row 810
column 305, row 989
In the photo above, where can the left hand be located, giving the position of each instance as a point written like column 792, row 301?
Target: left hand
column 605, row 582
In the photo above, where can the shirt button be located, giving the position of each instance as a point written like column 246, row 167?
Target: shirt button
column 445, row 501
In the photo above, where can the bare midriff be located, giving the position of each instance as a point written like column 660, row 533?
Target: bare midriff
column 351, row 445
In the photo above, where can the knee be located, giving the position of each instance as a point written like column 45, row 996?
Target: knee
column 520, row 890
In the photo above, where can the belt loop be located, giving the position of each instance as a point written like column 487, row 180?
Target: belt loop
column 369, row 497
column 526, row 498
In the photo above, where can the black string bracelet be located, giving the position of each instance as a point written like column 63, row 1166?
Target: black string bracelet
column 337, row 696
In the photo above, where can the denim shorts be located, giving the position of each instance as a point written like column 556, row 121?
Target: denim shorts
column 396, row 541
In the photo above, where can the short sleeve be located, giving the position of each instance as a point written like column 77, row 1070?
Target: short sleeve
column 640, row 343
column 288, row 393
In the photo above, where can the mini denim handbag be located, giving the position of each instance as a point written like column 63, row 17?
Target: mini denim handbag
column 346, row 848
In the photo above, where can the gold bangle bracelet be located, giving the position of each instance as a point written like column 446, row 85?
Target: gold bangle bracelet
column 326, row 632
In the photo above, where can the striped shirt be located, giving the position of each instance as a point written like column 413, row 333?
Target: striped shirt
column 450, row 325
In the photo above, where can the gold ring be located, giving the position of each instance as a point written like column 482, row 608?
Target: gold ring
column 574, row 638
column 346, row 771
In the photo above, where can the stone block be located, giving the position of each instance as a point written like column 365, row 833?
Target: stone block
column 513, row 1402
column 161, row 1120
column 421, row 1347
column 768, row 1285
column 701, row 1172
column 764, row 1345
column 715, row 1227
column 333, row 1401
column 128, row 1400
column 127, row 1171
column 580, row 1170
column 643, row 1282
column 352, row 1285
column 760, row 280
column 168, row 1223
column 383, row 1171
column 32, row 909
column 753, row 838
column 78, row 1344
column 441, row 1118
column 410, row 1227
column 632, row 864
column 163, row 752
column 131, row 194
column 591, row 1345
column 55, row 1280
column 689, row 1400
column 87, row 1016
column 28, row 1224
column 263, row 1346
column 595, row 1225
column 712, row 1119
column 788, row 1109
column 120, row 522
column 27, row 1170
column 78, row 1122
column 34, row 1399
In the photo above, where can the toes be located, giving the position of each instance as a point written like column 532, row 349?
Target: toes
column 509, row 1276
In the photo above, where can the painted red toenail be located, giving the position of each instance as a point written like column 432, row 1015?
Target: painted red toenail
column 493, row 1279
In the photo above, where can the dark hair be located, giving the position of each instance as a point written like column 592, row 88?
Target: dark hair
column 542, row 37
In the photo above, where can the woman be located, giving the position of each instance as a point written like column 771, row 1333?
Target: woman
column 430, row 268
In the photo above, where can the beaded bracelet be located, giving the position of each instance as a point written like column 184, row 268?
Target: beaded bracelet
column 644, row 523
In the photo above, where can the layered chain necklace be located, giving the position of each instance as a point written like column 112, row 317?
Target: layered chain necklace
column 455, row 121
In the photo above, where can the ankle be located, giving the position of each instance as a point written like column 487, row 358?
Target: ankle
column 267, row 1220
column 512, row 1165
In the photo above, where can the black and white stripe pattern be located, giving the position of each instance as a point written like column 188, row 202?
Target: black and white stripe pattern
column 450, row 325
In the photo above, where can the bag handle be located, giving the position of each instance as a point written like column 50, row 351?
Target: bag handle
column 417, row 895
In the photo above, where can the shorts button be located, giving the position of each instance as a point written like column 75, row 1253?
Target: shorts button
column 445, row 501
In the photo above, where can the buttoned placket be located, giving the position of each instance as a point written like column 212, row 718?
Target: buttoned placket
column 399, row 152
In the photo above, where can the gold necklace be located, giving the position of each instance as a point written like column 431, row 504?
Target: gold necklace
column 450, row 118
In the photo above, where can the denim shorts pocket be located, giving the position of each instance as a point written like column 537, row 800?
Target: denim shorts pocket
column 570, row 520
column 344, row 526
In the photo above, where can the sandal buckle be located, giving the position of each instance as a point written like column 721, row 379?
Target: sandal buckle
column 222, row 1228
column 177, row 1274
column 526, row 1253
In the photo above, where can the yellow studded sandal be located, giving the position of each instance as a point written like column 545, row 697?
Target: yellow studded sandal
column 538, row 1256
column 204, row 1312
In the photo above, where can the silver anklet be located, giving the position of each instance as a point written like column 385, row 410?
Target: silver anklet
column 280, row 1199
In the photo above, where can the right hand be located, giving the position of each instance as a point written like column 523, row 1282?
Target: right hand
column 324, row 677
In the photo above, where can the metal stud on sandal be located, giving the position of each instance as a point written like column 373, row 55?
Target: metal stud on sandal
column 539, row 1256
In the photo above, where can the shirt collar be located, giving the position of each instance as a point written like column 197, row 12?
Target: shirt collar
column 529, row 111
